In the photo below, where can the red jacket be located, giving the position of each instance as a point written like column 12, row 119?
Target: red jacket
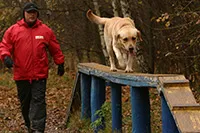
column 27, row 46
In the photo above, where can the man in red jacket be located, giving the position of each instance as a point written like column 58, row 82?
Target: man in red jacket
column 23, row 47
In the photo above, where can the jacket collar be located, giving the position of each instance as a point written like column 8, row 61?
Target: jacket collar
column 23, row 23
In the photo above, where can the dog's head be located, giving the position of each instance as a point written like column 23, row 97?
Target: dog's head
column 127, row 38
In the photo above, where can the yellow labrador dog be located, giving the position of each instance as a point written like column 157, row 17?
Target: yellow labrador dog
column 120, row 36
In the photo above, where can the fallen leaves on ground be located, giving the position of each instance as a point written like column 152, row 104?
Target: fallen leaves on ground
column 57, row 98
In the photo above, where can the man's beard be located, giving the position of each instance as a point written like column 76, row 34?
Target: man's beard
column 30, row 24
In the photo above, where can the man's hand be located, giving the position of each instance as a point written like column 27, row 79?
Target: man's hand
column 61, row 69
column 8, row 62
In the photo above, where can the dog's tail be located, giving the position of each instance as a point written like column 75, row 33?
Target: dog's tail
column 96, row 19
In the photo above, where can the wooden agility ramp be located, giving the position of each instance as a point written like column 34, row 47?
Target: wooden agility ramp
column 181, row 102
column 180, row 111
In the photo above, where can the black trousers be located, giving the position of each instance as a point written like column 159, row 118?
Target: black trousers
column 33, row 105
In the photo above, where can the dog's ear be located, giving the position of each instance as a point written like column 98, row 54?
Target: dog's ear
column 139, row 35
column 117, row 37
column 131, row 20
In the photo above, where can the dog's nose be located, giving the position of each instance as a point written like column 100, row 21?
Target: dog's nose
column 131, row 49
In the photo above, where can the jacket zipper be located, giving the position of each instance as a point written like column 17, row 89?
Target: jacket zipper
column 32, row 64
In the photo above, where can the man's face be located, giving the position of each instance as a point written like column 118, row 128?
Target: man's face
column 30, row 16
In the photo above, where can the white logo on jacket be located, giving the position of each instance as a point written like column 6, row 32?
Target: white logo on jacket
column 39, row 37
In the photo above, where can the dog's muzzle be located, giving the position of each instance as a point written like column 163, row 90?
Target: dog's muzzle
column 132, row 50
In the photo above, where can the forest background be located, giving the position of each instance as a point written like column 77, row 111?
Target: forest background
column 170, row 31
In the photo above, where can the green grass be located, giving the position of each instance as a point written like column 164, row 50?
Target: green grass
column 6, row 79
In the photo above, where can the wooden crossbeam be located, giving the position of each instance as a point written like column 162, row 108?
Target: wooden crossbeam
column 186, row 107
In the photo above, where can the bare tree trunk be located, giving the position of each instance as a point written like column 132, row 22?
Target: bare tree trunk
column 115, row 7
column 125, row 8
column 100, row 27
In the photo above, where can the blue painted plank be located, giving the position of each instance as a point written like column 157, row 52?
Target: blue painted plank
column 132, row 79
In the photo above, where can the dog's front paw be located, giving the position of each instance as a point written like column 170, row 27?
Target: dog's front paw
column 128, row 70
column 113, row 69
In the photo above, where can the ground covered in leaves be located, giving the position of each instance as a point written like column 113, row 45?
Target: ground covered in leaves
column 57, row 98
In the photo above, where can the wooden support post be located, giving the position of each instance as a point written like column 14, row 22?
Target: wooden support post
column 140, row 110
column 85, row 83
column 75, row 101
column 168, row 123
column 97, row 99
column 116, row 107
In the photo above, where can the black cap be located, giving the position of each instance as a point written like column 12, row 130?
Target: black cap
column 29, row 6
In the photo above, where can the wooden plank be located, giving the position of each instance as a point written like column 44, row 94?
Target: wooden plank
column 169, row 85
column 172, row 78
column 186, row 107
column 176, row 82
column 188, row 121
column 176, row 91
column 180, row 99
column 179, row 94
column 103, row 68
column 75, row 101
column 120, row 77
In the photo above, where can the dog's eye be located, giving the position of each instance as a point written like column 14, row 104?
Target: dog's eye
column 125, row 39
column 133, row 38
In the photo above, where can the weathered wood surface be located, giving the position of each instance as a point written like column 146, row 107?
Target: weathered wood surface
column 120, row 77
column 188, row 121
column 178, row 95
column 75, row 101
column 189, row 107
column 180, row 99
